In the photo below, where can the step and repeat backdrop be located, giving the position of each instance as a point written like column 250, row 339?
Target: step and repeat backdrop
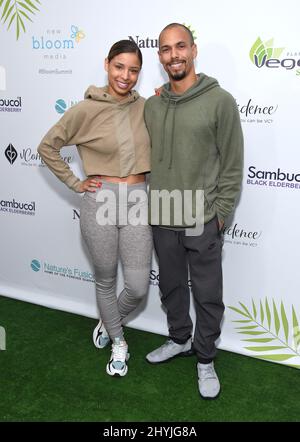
column 51, row 51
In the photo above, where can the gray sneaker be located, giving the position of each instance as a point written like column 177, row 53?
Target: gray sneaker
column 170, row 350
column 208, row 382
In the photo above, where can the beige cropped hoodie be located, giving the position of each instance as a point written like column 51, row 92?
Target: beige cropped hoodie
column 110, row 135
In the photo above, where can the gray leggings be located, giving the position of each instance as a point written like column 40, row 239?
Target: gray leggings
column 106, row 243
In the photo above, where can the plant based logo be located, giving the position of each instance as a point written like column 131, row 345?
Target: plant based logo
column 240, row 236
column 192, row 30
column 63, row 271
column 16, row 207
column 273, row 178
column 11, row 153
column 61, row 106
column 261, row 112
column 16, row 12
column 263, row 54
column 268, row 323
column 10, row 105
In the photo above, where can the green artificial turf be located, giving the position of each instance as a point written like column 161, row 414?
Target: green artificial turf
column 51, row 371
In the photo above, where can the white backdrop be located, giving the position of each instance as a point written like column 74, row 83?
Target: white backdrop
column 47, row 69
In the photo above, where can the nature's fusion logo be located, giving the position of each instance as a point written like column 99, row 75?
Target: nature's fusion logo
column 61, row 105
column 146, row 42
column 264, row 54
column 63, row 271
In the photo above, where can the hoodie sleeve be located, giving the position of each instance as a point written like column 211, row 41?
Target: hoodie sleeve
column 230, row 146
column 64, row 133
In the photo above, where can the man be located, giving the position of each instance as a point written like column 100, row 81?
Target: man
column 197, row 144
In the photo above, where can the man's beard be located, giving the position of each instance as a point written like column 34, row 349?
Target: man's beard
column 179, row 76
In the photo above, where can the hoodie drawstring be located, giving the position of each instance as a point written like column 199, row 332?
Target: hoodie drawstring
column 172, row 136
column 163, row 132
column 172, row 133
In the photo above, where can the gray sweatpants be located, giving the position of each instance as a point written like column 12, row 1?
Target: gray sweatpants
column 106, row 243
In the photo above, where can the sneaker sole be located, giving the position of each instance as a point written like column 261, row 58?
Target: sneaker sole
column 183, row 354
column 95, row 340
column 116, row 373
column 208, row 398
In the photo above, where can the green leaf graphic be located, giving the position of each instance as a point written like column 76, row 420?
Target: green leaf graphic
column 254, row 309
column 253, row 50
column 262, row 314
column 17, row 11
column 276, row 318
column 267, row 348
column 255, row 329
column 284, row 322
column 268, row 313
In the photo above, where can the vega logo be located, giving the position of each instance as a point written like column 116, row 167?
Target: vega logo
column 264, row 54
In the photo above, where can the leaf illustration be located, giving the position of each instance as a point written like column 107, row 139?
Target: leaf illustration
column 254, row 309
column 277, row 358
column 253, row 50
column 276, row 318
column 268, row 313
column 296, row 330
column 18, row 11
column 262, row 314
column 258, row 340
column 5, row 8
column 238, row 311
column 267, row 348
column 284, row 322
column 260, row 335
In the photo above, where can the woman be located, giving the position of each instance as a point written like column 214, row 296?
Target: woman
column 109, row 131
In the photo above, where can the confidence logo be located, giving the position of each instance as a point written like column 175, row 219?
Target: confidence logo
column 263, row 54
column 35, row 265
column 11, row 154
column 17, row 13
column 60, row 106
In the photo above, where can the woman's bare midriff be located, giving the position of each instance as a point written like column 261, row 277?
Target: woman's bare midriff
column 130, row 179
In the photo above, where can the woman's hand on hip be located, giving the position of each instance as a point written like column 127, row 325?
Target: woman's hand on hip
column 90, row 185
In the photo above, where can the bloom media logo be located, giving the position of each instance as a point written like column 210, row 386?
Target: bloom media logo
column 264, row 54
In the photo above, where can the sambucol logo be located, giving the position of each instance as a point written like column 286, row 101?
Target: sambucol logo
column 264, row 54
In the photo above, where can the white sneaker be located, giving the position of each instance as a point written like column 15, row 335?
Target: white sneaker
column 208, row 382
column 100, row 336
column 119, row 355
column 170, row 350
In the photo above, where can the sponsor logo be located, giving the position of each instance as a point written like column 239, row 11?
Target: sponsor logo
column 240, row 236
column 11, row 154
column 265, row 55
column 11, row 104
column 2, row 79
column 257, row 113
column 61, row 271
column 148, row 43
column 35, row 265
column 28, row 157
column 273, row 178
column 16, row 207
column 55, row 45
column 61, row 105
